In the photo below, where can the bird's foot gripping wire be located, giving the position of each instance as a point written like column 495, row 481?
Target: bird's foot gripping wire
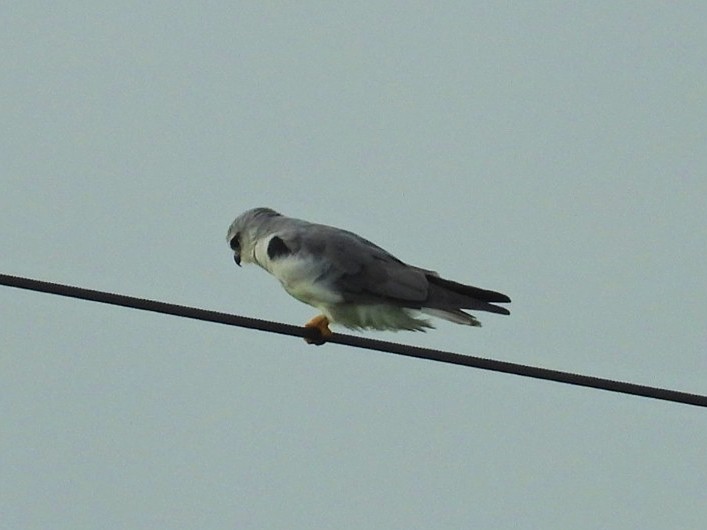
column 321, row 324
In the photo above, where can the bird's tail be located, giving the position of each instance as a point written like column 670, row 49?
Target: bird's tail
column 453, row 315
column 448, row 293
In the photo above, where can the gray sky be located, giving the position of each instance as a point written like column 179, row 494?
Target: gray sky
column 554, row 151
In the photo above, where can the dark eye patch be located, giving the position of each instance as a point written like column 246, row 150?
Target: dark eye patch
column 235, row 242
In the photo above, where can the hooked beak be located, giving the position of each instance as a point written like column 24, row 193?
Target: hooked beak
column 235, row 244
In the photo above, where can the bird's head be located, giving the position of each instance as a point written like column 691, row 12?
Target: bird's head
column 246, row 231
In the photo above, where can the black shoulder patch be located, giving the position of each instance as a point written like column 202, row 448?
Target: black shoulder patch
column 277, row 248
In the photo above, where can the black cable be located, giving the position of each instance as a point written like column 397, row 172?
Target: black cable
column 356, row 341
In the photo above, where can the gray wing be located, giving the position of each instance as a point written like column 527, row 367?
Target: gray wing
column 365, row 273
column 359, row 269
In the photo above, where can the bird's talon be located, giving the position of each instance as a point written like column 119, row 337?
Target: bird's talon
column 321, row 324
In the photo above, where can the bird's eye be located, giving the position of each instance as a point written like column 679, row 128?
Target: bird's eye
column 235, row 242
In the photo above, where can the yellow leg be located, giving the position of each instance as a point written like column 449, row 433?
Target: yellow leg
column 321, row 323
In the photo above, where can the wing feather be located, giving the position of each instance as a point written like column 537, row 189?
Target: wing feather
column 363, row 272
column 359, row 269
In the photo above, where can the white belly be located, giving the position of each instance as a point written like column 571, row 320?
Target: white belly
column 299, row 276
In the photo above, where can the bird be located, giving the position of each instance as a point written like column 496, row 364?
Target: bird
column 350, row 280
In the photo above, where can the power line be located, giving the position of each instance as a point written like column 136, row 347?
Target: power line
column 355, row 341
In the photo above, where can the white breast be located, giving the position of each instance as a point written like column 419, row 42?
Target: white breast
column 300, row 276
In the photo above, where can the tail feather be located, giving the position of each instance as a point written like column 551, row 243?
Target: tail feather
column 453, row 315
column 445, row 294
column 469, row 290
